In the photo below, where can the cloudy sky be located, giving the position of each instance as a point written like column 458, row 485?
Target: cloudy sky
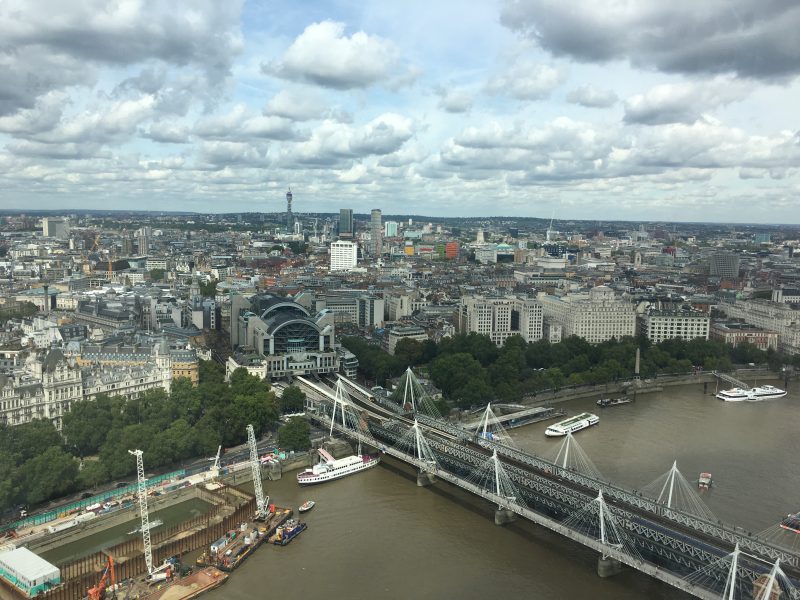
column 595, row 109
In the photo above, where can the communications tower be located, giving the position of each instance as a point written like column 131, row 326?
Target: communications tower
column 289, row 217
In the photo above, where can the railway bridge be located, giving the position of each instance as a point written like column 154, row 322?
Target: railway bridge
column 682, row 547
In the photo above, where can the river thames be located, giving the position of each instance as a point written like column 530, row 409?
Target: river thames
column 377, row 535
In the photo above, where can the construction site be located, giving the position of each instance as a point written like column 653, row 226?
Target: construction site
column 174, row 562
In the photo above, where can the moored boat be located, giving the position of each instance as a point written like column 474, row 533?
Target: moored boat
column 604, row 402
column 306, row 506
column 287, row 532
column 791, row 523
column 755, row 394
column 330, row 468
column 571, row 425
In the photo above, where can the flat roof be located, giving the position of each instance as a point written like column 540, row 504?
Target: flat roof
column 27, row 564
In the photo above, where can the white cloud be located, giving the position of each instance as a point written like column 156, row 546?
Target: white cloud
column 454, row 100
column 591, row 97
column 526, row 80
column 324, row 55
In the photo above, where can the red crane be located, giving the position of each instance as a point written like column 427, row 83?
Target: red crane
column 98, row 592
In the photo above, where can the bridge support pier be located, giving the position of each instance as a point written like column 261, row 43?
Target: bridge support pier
column 274, row 470
column 425, row 479
column 608, row 567
column 503, row 516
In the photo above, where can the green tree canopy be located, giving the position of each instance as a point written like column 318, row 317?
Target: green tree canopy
column 295, row 435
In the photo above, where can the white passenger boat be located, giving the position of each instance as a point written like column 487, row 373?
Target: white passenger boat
column 571, row 425
column 330, row 468
column 756, row 394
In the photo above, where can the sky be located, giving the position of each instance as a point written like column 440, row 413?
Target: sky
column 587, row 109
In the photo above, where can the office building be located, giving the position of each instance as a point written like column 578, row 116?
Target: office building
column 500, row 318
column 685, row 324
column 55, row 228
column 376, row 232
column 390, row 228
column 143, row 240
column 344, row 255
column 346, row 225
column 724, row 265
column 596, row 316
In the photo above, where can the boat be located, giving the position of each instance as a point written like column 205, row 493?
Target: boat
column 791, row 523
column 287, row 532
column 755, row 394
column 571, row 425
column 152, row 524
column 705, row 481
column 306, row 506
column 330, row 468
column 604, row 402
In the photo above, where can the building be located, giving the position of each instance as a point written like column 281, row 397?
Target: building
column 344, row 256
column 686, row 324
column 27, row 572
column 500, row 318
column 55, row 228
column 787, row 295
column 277, row 338
column 596, row 316
column 376, row 232
column 357, row 307
column 143, row 239
column 390, row 228
column 735, row 333
column 772, row 316
column 346, row 225
column 393, row 336
column 724, row 265
column 486, row 254
column 451, row 250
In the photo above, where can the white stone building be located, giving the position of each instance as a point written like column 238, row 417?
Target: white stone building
column 500, row 318
column 344, row 255
column 597, row 316
column 660, row 325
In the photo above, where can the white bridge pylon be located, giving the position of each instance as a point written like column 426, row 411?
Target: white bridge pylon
column 740, row 576
column 572, row 457
column 489, row 429
column 413, row 443
column 491, row 477
column 596, row 520
column 675, row 492
column 347, row 414
column 412, row 397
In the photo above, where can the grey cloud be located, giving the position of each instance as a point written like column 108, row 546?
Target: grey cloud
column 454, row 100
column 684, row 102
column 167, row 133
column 240, row 124
column 751, row 38
column 591, row 97
column 66, row 151
column 49, row 44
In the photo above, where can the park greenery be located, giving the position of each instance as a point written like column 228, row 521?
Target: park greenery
column 295, row 434
column 470, row 369
column 37, row 463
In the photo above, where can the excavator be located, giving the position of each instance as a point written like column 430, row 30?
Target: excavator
column 98, row 592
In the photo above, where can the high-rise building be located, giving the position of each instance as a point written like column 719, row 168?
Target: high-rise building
column 55, row 228
column 289, row 217
column 143, row 236
column 346, row 229
column 376, row 229
column 390, row 228
column 344, row 255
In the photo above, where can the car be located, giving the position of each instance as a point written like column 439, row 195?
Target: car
column 85, row 495
column 121, row 484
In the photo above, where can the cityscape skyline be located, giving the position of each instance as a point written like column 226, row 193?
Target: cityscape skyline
column 520, row 108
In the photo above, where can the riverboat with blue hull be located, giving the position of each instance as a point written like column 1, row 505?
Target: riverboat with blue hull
column 287, row 532
column 571, row 425
column 330, row 468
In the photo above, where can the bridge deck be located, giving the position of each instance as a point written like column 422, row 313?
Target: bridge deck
column 529, row 415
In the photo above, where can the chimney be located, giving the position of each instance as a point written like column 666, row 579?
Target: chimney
column 46, row 300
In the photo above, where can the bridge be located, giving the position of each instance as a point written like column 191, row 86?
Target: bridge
column 669, row 535
column 732, row 380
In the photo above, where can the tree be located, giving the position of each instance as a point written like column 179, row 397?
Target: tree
column 48, row 475
column 157, row 274
column 295, row 435
column 86, row 425
column 208, row 290
column 292, row 400
column 92, row 474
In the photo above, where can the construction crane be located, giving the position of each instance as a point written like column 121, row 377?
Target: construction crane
column 98, row 592
column 255, row 466
column 141, row 490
